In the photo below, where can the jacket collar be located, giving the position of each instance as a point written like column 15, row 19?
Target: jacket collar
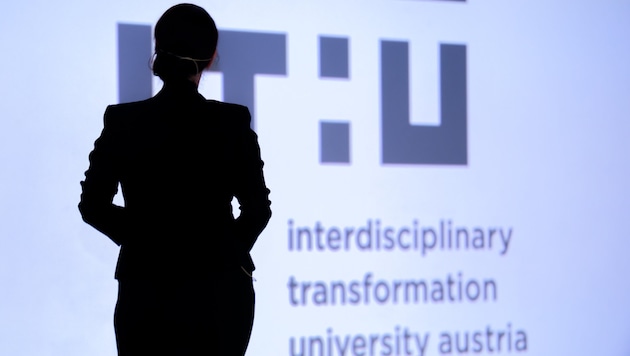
column 181, row 89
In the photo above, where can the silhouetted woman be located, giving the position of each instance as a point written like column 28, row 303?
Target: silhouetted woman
column 184, row 268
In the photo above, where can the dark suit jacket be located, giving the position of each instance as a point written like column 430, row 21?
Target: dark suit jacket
column 180, row 159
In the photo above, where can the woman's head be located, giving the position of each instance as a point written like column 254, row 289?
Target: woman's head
column 185, row 42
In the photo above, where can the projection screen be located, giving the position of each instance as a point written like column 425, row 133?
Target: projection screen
column 447, row 177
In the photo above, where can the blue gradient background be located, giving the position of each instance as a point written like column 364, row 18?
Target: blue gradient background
column 548, row 128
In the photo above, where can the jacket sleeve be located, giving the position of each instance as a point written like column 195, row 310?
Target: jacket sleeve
column 101, row 184
column 250, row 190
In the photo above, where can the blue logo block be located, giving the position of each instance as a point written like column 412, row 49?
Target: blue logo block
column 334, row 142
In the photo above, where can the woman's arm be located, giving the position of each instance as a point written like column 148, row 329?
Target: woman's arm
column 101, row 184
column 251, row 191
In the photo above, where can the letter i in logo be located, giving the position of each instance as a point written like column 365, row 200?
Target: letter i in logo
column 134, row 51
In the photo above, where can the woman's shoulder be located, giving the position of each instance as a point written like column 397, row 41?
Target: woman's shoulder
column 123, row 108
column 230, row 112
column 126, row 116
column 230, row 107
column 132, row 113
